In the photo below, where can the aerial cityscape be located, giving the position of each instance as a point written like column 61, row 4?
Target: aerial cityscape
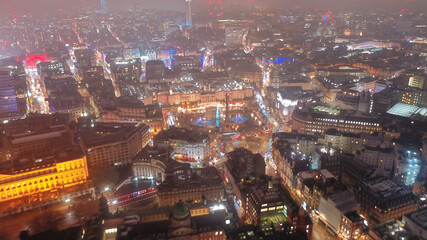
column 213, row 120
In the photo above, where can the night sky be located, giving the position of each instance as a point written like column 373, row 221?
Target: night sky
column 37, row 6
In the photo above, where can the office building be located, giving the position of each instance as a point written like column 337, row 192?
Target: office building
column 188, row 145
column 381, row 157
column 35, row 136
column 303, row 143
column 85, row 58
column 416, row 223
column 250, row 73
column 318, row 119
column 234, row 36
column 154, row 69
column 126, row 71
column 289, row 163
column 8, row 100
column 192, row 185
column 352, row 226
column 261, row 202
column 128, row 109
column 416, row 81
column 181, row 223
column 382, row 200
column 28, row 180
column 53, row 68
column 411, row 96
column 108, row 144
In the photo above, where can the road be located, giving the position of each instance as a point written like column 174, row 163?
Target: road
column 37, row 90
column 320, row 232
column 65, row 214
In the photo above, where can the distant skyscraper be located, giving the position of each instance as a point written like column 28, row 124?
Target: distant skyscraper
column 189, row 14
column 104, row 9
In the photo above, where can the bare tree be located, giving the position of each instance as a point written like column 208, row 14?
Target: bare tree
column 47, row 221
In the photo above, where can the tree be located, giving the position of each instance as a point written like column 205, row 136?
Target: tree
column 103, row 207
column 104, row 177
column 47, row 221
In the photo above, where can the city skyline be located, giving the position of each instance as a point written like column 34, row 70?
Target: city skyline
column 213, row 120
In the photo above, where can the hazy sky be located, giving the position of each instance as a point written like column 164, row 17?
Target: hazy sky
column 25, row 6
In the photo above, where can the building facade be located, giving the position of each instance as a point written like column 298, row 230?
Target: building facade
column 32, row 177
column 108, row 144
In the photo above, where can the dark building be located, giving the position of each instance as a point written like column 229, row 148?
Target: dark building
column 108, row 144
column 85, row 58
column 35, row 136
column 53, row 68
column 10, row 106
column 192, row 185
column 154, row 69
column 262, row 202
column 180, row 225
column 93, row 73
column 73, row 233
column 187, row 63
column 126, row 71
column 188, row 145
column 382, row 101
column 382, row 199
column 354, row 171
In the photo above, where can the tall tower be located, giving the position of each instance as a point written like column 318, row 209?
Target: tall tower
column 189, row 14
column 104, row 9
column 227, row 124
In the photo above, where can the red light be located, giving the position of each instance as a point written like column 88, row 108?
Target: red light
column 403, row 10
column 219, row 2
column 211, row 13
column 210, row 2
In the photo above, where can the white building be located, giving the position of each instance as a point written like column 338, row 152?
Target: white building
column 379, row 157
column 150, row 164
column 188, row 146
column 416, row 222
column 333, row 207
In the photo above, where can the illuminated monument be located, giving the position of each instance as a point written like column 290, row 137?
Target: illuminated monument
column 189, row 14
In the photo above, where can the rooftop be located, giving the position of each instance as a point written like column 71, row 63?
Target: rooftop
column 386, row 191
column 353, row 216
column 344, row 201
column 420, row 218
column 409, row 111
column 105, row 133
column 190, row 179
column 182, row 134
column 27, row 164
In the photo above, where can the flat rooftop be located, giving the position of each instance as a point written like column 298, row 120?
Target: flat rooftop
column 105, row 133
column 23, row 165
column 191, row 179
column 182, row 134
column 420, row 218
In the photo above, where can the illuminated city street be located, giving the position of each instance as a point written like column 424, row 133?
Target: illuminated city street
column 199, row 119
